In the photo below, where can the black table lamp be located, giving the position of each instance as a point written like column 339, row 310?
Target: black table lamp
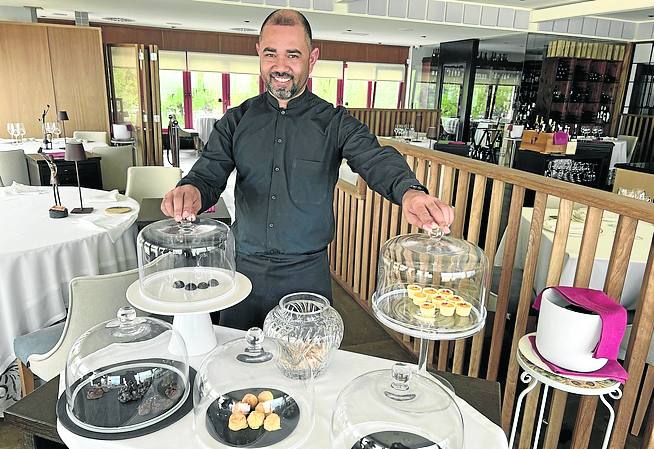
column 75, row 152
column 63, row 117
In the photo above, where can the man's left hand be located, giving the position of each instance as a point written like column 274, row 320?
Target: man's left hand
column 426, row 212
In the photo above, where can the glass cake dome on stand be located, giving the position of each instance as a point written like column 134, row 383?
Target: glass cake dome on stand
column 242, row 396
column 125, row 377
column 396, row 408
column 187, row 269
column 431, row 287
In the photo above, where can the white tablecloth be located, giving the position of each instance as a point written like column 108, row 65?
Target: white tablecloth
column 479, row 432
column 31, row 146
column 635, row 271
column 204, row 126
column 40, row 255
column 619, row 153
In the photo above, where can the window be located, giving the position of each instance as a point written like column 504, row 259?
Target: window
column 325, row 88
column 479, row 101
column 207, row 91
column 355, row 94
column 126, row 85
column 503, row 104
column 450, row 100
column 242, row 86
column 172, row 94
column 386, row 94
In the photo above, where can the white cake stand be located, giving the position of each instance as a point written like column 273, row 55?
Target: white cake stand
column 192, row 319
column 396, row 310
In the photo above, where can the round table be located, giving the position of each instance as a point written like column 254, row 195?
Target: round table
column 40, row 255
column 533, row 374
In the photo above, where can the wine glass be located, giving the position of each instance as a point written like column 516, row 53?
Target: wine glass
column 56, row 129
column 10, row 130
column 21, row 131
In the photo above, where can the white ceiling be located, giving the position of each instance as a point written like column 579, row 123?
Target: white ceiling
column 198, row 15
column 643, row 15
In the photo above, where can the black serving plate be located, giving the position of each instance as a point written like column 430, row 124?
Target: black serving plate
column 218, row 419
column 394, row 440
column 107, row 412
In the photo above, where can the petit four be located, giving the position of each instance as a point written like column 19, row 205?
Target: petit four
column 463, row 308
column 265, row 396
column 427, row 309
column 237, row 421
column 272, row 422
column 255, row 420
column 419, row 298
column 412, row 289
column 250, row 400
column 447, row 308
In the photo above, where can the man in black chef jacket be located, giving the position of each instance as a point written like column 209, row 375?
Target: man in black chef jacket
column 286, row 146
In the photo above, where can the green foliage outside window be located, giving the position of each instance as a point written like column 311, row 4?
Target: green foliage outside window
column 503, row 101
column 207, row 91
column 172, row 94
column 386, row 93
column 479, row 101
column 355, row 93
column 325, row 88
column 127, row 91
column 242, row 87
column 450, row 100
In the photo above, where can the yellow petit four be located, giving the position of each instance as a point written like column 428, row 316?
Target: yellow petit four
column 255, row 420
column 264, row 407
column 437, row 300
column 265, row 396
column 456, row 299
column 412, row 289
column 419, row 298
column 463, row 308
column 445, row 292
column 447, row 308
column 250, row 400
column 237, row 421
column 430, row 291
column 427, row 309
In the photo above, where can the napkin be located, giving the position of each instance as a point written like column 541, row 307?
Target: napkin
column 22, row 189
column 612, row 369
column 100, row 196
column 612, row 314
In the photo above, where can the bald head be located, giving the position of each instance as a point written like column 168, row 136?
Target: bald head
column 288, row 17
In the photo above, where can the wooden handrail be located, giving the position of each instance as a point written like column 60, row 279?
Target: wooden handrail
column 640, row 210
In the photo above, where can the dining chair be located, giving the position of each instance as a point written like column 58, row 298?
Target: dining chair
column 92, row 300
column 148, row 185
column 114, row 163
column 92, row 136
column 13, row 167
column 647, row 384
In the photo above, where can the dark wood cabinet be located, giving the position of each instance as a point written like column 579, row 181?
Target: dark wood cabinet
column 90, row 174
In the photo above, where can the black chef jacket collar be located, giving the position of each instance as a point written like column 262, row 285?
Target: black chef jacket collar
column 293, row 103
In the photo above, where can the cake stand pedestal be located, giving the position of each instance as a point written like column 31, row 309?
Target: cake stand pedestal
column 192, row 319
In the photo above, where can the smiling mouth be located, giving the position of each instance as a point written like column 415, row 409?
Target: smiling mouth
column 281, row 79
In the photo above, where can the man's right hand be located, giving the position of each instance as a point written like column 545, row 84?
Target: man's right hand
column 182, row 202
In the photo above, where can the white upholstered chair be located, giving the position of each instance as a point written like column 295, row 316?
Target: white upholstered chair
column 92, row 300
column 13, row 167
column 148, row 185
column 114, row 162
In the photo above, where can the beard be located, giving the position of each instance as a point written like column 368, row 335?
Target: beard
column 282, row 93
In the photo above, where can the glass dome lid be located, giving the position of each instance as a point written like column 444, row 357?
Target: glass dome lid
column 241, row 397
column 125, row 374
column 396, row 408
column 431, row 286
column 190, row 261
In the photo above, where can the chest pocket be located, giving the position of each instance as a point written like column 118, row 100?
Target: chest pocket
column 308, row 181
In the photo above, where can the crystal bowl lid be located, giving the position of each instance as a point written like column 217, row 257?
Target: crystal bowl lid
column 200, row 233
column 432, row 244
column 397, row 403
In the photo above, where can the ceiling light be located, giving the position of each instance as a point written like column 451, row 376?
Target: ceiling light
column 650, row 15
column 118, row 19
column 243, row 30
column 59, row 14
column 354, row 33
column 348, row 30
column 173, row 23
column 423, row 35
column 405, row 29
column 246, row 21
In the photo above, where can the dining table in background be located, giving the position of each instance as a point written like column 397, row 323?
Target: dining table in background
column 40, row 255
column 637, row 261
column 32, row 145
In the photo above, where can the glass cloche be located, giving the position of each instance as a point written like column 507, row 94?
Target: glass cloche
column 126, row 375
column 241, row 397
column 396, row 408
column 431, row 286
column 185, row 262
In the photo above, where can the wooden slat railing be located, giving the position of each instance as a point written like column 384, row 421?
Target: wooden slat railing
column 382, row 121
column 365, row 221
column 643, row 127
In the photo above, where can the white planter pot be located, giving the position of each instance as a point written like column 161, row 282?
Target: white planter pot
column 565, row 337
column 516, row 131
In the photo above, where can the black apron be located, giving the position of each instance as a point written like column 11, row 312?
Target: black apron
column 273, row 277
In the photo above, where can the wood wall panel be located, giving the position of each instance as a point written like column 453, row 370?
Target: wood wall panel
column 239, row 44
column 78, row 77
column 25, row 77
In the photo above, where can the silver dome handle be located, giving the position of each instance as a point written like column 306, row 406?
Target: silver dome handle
column 401, row 374
column 186, row 226
column 126, row 316
column 435, row 234
column 254, row 352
